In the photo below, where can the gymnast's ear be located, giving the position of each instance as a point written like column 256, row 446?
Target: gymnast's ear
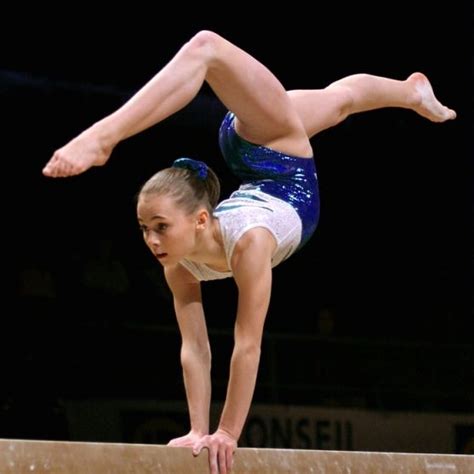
column 202, row 218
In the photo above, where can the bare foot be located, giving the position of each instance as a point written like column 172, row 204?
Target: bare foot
column 429, row 106
column 77, row 156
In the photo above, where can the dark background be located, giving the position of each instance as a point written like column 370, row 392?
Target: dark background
column 376, row 311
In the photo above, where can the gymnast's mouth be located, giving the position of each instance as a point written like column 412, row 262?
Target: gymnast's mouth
column 160, row 255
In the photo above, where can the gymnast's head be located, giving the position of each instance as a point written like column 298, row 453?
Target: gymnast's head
column 175, row 207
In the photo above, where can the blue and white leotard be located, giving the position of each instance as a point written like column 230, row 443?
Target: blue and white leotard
column 278, row 192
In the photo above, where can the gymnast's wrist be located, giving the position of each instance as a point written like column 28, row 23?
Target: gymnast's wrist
column 229, row 433
column 199, row 432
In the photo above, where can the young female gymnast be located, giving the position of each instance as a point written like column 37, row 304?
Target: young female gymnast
column 265, row 139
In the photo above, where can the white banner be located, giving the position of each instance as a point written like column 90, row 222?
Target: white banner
column 358, row 430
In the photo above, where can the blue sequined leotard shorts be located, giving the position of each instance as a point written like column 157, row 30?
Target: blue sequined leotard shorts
column 290, row 178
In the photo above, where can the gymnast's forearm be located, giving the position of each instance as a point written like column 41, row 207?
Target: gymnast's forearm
column 197, row 381
column 243, row 375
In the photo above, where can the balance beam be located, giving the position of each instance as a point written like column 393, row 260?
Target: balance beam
column 60, row 457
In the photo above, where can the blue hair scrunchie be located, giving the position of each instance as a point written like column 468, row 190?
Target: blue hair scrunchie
column 199, row 167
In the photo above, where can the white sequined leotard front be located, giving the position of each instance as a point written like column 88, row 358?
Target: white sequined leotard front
column 246, row 209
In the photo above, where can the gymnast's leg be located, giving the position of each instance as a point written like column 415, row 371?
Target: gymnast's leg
column 320, row 109
column 264, row 111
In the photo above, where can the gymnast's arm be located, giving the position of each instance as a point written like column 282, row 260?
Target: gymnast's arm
column 195, row 350
column 251, row 266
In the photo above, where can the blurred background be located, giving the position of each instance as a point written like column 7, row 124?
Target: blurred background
column 374, row 315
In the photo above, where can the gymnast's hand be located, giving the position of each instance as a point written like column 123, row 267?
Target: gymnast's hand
column 221, row 447
column 186, row 441
column 90, row 148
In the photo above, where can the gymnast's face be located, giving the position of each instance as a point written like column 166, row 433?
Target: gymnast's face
column 169, row 232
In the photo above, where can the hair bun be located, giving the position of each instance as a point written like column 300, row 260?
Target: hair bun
column 199, row 167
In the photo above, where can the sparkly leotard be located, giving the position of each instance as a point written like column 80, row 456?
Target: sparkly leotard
column 278, row 192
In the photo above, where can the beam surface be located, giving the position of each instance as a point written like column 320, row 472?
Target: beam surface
column 61, row 457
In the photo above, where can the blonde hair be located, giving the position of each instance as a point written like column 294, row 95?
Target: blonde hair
column 187, row 187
